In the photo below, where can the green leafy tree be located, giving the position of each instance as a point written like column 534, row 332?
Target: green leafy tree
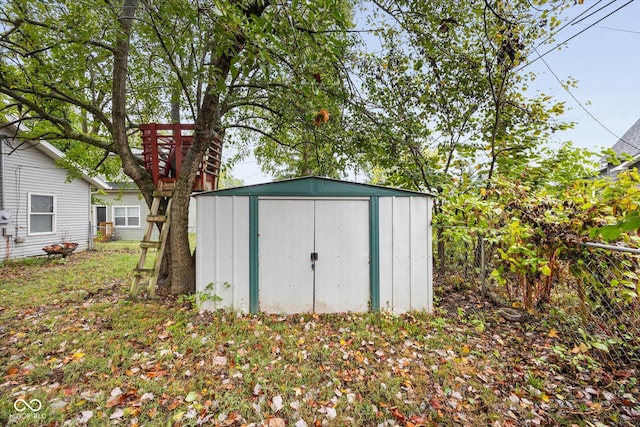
column 85, row 74
column 448, row 93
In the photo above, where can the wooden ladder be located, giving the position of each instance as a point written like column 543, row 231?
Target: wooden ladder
column 164, row 190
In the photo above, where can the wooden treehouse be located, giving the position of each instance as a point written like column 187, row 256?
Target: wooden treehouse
column 163, row 148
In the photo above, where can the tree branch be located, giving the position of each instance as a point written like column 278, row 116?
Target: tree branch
column 62, row 124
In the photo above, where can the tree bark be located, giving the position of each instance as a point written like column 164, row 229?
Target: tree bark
column 183, row 263
column 130, row 164
column 206, row 126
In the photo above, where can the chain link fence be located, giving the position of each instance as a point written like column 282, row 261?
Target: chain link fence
column 461, row 258
column 599, row 298
column 594, row 289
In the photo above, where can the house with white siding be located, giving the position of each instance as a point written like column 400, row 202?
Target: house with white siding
column 40, row 204
column 120, row 213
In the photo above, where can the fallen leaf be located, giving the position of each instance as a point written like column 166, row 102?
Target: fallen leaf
column 435, row 404
column 331, row 412
column 257, row 390
column 276, row 403
column 173, row 405
column 84, row 417
column 275, row 422
column 397, row 415
column 219, row 361
column 119, row 413
column 146, row 397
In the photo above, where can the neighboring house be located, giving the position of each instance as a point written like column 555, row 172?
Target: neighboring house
column 40, row 204
column 628, row 144
column 125, row 210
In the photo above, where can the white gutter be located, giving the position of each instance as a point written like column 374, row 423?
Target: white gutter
column 3, row 139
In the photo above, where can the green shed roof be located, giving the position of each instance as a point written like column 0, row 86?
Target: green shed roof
column 313, row 186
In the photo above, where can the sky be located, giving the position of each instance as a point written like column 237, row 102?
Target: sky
column 604, row 59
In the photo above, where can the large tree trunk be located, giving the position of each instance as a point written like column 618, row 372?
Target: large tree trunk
column 207, row 123
column 183, row 263
column 182, row 270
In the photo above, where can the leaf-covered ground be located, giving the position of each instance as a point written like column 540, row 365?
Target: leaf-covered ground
column 72, row 341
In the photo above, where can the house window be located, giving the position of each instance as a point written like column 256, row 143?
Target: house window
column 126, row 216
column 42, row 214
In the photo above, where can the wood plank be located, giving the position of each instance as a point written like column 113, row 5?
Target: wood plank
column 162, row 192
column 149, row 244
column 164, row 234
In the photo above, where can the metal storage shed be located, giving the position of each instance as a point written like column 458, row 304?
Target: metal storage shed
column 314, row 245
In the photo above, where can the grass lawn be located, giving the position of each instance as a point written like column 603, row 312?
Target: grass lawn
column 78, row 351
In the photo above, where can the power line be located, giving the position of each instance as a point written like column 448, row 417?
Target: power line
column 582, row 105
column 572, row 37
column 570, row 22
column 573, row 21
column 615, row 29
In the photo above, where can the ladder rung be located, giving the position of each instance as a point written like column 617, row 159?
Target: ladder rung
column 149, row 244
column 159, row 193
column 166, row 185
column 164, row 189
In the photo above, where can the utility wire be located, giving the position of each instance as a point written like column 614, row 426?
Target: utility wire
column 616, row 29
column 582, row 105
column 573, row 21
column 570, row 22
column 572, row 37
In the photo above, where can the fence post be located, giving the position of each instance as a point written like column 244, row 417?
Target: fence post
column 483, row 275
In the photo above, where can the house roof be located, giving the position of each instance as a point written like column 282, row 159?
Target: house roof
column 629, row 143
column 313, row 186
column 123, row 186
column 53, row 153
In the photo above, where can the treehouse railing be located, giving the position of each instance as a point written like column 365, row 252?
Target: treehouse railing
column 164, row 147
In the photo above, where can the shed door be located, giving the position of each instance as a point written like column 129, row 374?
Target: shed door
column 290, row 232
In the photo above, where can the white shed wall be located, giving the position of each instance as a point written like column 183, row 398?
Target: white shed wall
column 222, row 243
column 223, row 257
column 405, row 257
